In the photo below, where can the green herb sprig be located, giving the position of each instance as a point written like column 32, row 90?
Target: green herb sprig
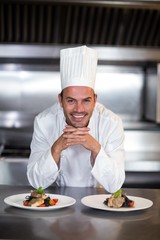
column 40, row 190
column 118, row 193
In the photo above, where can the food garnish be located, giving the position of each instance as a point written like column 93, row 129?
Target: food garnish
column 118, row 199
column 118, row 193
column 38, row 198
column 40, row 190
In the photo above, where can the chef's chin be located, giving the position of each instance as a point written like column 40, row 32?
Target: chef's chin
column 78, row 124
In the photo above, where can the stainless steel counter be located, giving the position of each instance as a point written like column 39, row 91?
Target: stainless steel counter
column 78, row 221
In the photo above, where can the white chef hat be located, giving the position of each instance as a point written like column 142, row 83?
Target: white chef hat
column 78, row 66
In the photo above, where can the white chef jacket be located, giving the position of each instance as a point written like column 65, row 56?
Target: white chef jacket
column 76, row 166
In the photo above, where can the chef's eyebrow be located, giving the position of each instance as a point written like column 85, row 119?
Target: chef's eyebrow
column 87, row 98
column 70, row 98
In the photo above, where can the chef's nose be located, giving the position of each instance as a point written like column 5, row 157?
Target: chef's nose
column 79, row 107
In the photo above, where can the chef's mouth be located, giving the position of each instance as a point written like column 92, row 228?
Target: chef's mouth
column 78, row 116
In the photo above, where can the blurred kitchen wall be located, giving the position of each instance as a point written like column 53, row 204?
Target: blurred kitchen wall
column 127, row 37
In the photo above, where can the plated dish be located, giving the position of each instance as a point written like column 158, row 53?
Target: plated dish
column 97, row 202
column 17, row 201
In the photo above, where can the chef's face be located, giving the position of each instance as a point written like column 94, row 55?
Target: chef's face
column 78, row 104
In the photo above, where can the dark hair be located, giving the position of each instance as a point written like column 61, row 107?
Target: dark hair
column 61, row 94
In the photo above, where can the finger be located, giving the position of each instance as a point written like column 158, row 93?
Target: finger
column 70, row 128
column 70, row 142
column 73, row 136
column 84, row 129
column 75, row 133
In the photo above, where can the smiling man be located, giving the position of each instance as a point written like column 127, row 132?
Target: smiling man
column 78, row 104
column 77, row 141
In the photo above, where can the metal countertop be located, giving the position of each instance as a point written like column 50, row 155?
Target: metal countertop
column 78, row 221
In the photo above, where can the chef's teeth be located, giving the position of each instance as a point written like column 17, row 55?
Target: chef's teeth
column 78, row 116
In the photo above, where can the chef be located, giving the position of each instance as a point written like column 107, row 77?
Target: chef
column 77, row 142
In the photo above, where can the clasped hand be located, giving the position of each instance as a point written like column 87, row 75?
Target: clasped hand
column 72, row 136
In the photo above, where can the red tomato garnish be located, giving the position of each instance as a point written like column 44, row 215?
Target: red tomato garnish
column 25, row 203
column 55, row 199
column 131, row 204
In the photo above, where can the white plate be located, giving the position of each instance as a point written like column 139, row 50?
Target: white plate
column 96, row 201
column 17, row 201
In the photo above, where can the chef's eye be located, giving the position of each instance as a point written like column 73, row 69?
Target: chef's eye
column 70, row 101
column 87, row 100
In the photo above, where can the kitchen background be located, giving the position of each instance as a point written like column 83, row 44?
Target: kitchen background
column 127, row 37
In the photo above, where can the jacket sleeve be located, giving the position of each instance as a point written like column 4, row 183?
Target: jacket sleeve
column 42, row 170
column 109, row 169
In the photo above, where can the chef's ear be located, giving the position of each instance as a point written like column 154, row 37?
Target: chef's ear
column 60, row 96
